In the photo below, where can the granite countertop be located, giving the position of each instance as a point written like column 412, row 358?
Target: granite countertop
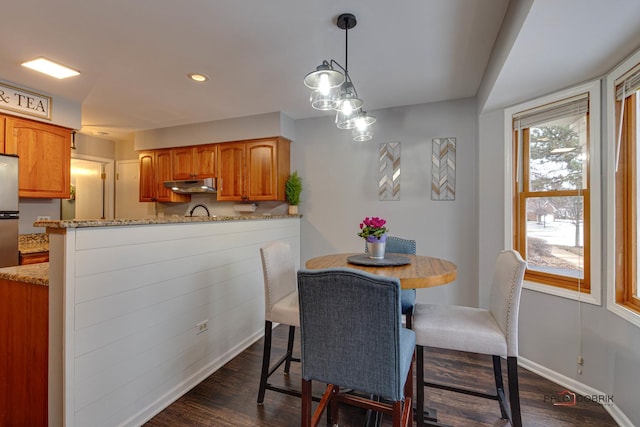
column 37, row 274
column 33, row 243
column 83, row 223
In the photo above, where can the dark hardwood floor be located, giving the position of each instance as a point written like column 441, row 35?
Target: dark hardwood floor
column 228, row 397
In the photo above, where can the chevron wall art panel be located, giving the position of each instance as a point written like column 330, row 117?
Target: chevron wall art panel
column 389, row 172
column 443, row 169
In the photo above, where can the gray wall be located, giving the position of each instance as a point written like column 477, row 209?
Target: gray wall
column 258, row 126
column 340, row 179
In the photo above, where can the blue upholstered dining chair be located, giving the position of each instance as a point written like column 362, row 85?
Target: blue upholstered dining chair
column 352, row 337
column 493, row 332
column 281, row 306
column 408, row 296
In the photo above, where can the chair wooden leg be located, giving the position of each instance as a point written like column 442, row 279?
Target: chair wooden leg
column 397, row 414
column 420, row 386
column 306, row 404
column 327, row 401
column 514, row 392
column 497, row 373
column 266, row 356
column 292, row 335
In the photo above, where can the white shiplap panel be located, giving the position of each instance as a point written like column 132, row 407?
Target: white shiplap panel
column 138, row 293
column 112, row 282
column 132, row 235
column 98, row 310
column 88, row 339
column 95, row 362
column 179, row 351
column 114, row 257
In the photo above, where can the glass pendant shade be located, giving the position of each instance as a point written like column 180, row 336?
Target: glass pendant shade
column 348, row 107
column 324, row 78
column 362, row 134
column 363, row 120
column 324, row 101
column 345, row 120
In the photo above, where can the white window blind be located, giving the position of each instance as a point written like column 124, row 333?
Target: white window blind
column 629, row 83
column 573, row 106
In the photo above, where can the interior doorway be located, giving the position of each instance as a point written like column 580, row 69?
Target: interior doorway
column 128, row 203
column 92, row 195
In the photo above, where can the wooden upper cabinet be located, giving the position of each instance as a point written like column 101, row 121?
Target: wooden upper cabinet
column 182, row 163
column 194, row 162
column 231, row 167
column 147, row 162
column 2, row 133
column 254, row 170
column 155, row 169
column 204, row 161
column 45, row 157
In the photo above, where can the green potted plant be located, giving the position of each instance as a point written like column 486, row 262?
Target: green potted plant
column 292, row 190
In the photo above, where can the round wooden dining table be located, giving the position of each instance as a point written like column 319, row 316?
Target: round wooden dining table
column 421, row 271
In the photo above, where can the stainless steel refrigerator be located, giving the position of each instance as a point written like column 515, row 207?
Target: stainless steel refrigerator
column 9, row 211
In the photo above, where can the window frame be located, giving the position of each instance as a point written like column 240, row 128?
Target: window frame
column 592, row 197
column 630, row 312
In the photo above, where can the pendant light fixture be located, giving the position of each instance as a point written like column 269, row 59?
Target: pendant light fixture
column 332, row 89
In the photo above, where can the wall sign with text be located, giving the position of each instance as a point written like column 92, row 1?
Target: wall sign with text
column 24, row 101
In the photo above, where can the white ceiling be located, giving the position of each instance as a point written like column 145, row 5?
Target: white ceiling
column 134, row 55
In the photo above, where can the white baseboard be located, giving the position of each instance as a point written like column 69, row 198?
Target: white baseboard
column 179, row 390
column 577, row 387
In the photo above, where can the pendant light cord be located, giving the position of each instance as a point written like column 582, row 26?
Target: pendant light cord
column 346, row 49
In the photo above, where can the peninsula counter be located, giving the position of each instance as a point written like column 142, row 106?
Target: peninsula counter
column 128, row 300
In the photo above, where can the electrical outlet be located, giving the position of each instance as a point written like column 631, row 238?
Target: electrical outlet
column 202, row 326
column 43, row 218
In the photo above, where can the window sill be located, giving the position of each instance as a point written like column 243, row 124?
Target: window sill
column 627, row 314
column 563, row 293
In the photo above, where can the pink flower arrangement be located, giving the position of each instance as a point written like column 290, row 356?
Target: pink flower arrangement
column 373, row 229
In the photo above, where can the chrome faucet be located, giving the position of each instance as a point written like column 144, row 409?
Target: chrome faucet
column 199, row 206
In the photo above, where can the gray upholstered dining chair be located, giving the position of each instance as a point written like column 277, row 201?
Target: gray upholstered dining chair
column 281, row 306
column 493, row 332
column 352, row 337
column 408, row 296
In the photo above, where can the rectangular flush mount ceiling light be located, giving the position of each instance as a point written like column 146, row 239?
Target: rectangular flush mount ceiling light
column 50, row 68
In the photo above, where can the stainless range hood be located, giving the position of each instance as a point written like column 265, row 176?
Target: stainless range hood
column 189, row 186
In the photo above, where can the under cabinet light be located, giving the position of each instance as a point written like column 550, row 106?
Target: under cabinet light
column 50, row 68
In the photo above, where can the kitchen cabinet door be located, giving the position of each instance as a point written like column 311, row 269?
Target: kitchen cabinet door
column 182, row 159
column 268, row 167
column 147, row 180
column 155, row 169
column 194, row 162
column 204, row 161
column 45, row 157
column 231, row 171
column 164, row 172
column 262, row 164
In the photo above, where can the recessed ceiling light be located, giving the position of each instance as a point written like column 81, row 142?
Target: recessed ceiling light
column 50, row 68
column 100, row 132
column 198, row 77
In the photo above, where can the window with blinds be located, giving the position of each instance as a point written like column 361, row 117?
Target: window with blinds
column 627, row 106
column 551, row 212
